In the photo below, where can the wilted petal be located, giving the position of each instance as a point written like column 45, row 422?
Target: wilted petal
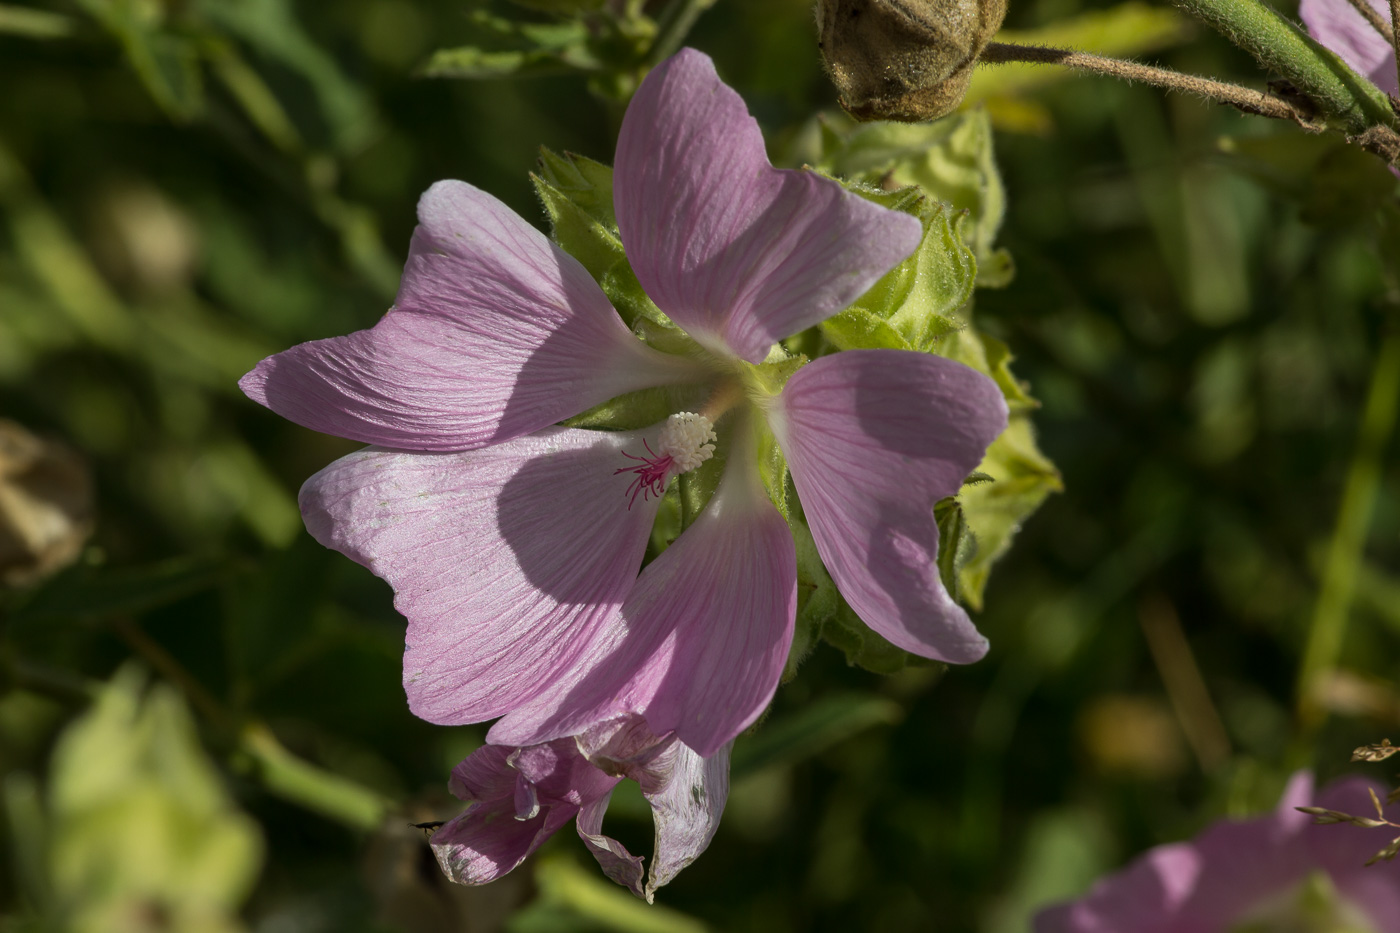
column 701, row 640
column 504, row 560
column 687, row 795
column 1343, row 30
column 738, row 253
column 873, row 439
column 617, row 863
column 496, row 332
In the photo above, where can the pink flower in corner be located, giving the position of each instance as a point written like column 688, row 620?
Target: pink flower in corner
column 1345, row 31
column 513, row 546
column 1278, row 872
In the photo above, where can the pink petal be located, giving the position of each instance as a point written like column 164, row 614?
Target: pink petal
column 496, row 332
column 1343, row 30
column 1208, row 884
column 738, row 253
column 873, row 439
column 701, row 640
column 490, row 837
column 504, row 560
column 1344, row 850
column 687, row 795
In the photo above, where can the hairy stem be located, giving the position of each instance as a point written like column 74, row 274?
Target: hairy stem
column 1344, row 550
column 1395, row 42
column 1282, row 47
column 1246, row 99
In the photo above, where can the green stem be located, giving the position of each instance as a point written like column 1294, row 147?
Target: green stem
column 674, row 26
column 1282, row 47
column 1344, row 551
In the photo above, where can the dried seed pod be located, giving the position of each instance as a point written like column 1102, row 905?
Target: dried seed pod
column 907, row 60
column 46, row 506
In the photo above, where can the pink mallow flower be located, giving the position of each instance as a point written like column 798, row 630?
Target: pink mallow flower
column 513, row 545
column 1279, row 872
column 1337, row 25
column 521, row 796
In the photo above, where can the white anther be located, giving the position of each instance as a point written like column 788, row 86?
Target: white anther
column 688, row 439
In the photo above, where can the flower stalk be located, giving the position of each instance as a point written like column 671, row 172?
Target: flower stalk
column 1280, row 46
column 1246, row 99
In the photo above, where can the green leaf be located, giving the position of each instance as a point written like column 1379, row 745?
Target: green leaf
column 96, row 593
column 140, row 818
column 815, row 728
column 35, row 24
column 950, row 160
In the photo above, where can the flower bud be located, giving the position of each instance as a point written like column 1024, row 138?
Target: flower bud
column 907, row 60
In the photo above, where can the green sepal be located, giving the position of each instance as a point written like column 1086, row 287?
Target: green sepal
column 637, row 410
column 697, row 487
column 577, row 196
column 956, row 542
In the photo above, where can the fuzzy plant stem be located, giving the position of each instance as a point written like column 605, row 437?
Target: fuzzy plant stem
column 1246, row 99
column 1348, row 542
column 1283, row 48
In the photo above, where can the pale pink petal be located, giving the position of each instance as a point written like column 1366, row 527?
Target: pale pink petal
column 738, row 253
column 492, row 836
column 873, row 439
column 496, row 332
column 701, row 640
column 1343, row 30
column 687, row 795
column 504, row 560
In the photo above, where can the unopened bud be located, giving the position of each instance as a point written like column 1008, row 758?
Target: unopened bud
column 907, row 60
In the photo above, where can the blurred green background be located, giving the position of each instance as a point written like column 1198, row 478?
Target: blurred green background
column 201, row 722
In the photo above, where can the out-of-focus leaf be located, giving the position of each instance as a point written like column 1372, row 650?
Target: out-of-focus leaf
column 96, row 593
column 300, row 782
column 1128, row 29
column 815, row 728
column 166, row 62
column 272, row 27
column 574, row 898
column 474, row 63
column 35, row 24
column 140, row 818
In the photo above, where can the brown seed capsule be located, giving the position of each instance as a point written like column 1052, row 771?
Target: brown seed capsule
column 908, row 60
column 45, row 506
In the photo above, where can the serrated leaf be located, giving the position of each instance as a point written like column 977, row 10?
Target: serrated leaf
column 816, row 728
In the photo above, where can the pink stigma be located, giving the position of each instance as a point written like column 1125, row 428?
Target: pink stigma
column 651, row 475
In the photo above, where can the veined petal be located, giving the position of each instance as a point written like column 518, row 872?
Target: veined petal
column 505, row 560
column 873, row 439
column 701, row 640
column 496, row 332
column 1343, row 30
column 687, row 794
column 738, row 253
